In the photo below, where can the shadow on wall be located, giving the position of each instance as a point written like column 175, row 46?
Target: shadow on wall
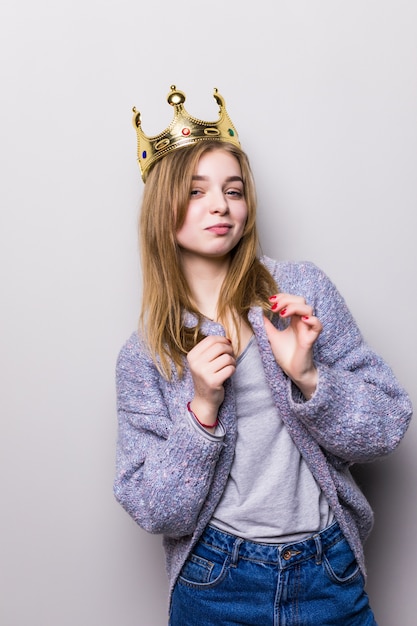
column 387, row 483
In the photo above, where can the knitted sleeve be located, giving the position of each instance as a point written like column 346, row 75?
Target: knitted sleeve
column 359, row 411
column 164, row 466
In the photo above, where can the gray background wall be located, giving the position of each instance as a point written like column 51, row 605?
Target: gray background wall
column 324, row 95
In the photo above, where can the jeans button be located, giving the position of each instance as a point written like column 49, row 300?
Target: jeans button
column 287, row 555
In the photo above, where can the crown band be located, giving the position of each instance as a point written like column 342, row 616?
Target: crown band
column 183, row 131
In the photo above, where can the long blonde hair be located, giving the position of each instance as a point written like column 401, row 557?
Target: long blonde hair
column 166, row 294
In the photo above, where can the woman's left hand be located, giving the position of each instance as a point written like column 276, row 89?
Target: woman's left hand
column 293, row 347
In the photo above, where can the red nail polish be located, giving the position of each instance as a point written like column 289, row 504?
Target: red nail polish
column 305, row 317
column 271, row 298
column 283, row 312
column 274, row 307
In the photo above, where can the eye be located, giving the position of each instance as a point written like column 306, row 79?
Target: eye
column 234, row 193
column 195, row 192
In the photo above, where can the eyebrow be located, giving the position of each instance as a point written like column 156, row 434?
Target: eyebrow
column 228, row 180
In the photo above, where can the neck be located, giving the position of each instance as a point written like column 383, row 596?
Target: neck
column 205, row 279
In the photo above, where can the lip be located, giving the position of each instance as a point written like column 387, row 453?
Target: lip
column 219, row 229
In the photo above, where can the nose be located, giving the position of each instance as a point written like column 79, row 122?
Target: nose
column 219, row 203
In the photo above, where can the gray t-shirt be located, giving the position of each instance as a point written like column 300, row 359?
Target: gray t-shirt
column 271, row 495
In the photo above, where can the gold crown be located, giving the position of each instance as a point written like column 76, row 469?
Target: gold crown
column 184, row 130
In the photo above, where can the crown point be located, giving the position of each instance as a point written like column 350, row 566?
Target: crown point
column 220, row 101
column 175, row 97
column 136, row 118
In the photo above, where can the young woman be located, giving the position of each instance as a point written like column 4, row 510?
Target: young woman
column 243, row 400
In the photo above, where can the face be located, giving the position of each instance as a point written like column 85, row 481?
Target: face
column 217, row 211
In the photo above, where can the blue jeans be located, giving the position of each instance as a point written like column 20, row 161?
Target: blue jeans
column 231, row 581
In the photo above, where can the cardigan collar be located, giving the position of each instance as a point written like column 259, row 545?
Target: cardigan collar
column 209, row 327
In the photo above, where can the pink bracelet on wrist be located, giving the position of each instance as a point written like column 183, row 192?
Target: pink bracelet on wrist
column 197, row 420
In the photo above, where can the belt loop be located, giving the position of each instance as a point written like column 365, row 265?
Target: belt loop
column 319, row 549
column 235, row 552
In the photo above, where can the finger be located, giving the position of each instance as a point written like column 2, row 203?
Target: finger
column 211, row 376
column 216, row 350
column 299, row 308
column 212, row 343
column 269, row 328
column 282, row 301
column 312, row 322
column 213, row 360
column 223, row 361
column 224, row 373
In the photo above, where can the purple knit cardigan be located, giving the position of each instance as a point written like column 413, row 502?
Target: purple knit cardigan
column 169, row 478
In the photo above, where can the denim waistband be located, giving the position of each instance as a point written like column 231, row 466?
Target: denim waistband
column 283, row 555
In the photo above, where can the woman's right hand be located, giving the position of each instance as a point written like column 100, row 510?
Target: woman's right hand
column 211, row 362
